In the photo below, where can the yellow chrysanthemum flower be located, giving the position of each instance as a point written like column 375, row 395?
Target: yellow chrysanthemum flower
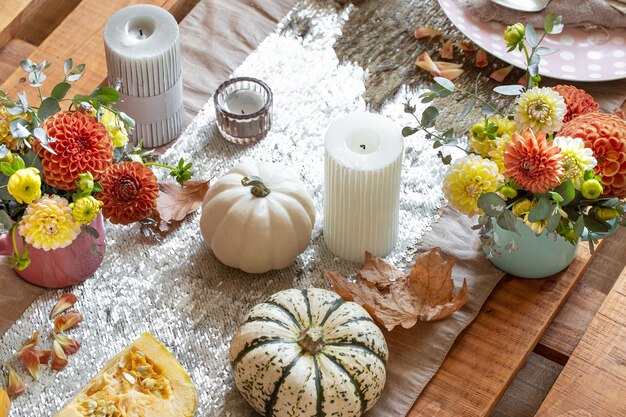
column 496, row 154
column 480, row 144
column 48, row 223
column 536, row 227
column 85, row 209
column 115, row 127
column 522, row 207
column 576, row 159
column 540, row 110
column 25, row 185
column 468, row 179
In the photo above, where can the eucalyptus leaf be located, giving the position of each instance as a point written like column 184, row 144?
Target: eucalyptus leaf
column 553, row 24
column 4, row 151
column 79, row 68
column 18, row 128
column 531, row 35
column 553, row 222
column 106, row 94
column 509, row 90
column 540, row 211
column 533, row 70
column 60, row 90
column 93, row 232
column 492, row 204
column 507, row 221
column 27, row 65
column 48, row 107
column 15, row 111
column 36, row 78
column 544, row 51
column 67, row 65
column 5, row 221
column 469, row 105
column 488, row 110
column 408, row 131
column 73, row 77
column 429, row 116
column 592, row 245
column 595, row 225
column 579, row 226
column 23, row 100
column 445, row 83
column 566, row 191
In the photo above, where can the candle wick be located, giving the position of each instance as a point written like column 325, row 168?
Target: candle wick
column 140, row 32
column 363, row 147
column 242, row 112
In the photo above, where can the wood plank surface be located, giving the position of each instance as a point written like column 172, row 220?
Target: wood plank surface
column 487, row 355
column 569, row 326
column 11, row 54
column 593, row 383
column 81, row 37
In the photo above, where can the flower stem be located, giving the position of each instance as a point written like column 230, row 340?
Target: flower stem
column 156, row 164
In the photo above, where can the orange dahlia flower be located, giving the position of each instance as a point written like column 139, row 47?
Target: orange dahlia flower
column 577, row 101
column 82, row 145
column 534, row 163
column 130, row 192
column 605, row 134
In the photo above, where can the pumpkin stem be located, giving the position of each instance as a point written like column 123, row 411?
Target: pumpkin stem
column 259, row 189
column 311, row 340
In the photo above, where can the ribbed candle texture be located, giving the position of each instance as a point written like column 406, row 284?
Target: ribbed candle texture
column 143, row 52
column 363, row 165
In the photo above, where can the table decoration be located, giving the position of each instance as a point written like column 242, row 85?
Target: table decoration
column 59, row 170
column 243, row 110
column 143, row 57
column 315, row 354
column 180, row 292
column 258, row 217
column 582, row 56
column 526, row 171
column 144, row 379
column 363, row 163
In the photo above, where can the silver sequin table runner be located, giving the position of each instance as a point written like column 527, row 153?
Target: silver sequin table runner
column 180, row 293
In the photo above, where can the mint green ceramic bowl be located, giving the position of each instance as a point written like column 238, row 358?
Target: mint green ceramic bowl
column 536, row 256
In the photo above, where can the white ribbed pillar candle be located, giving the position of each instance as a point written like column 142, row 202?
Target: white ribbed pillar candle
column 143, row 52
column 363, row 165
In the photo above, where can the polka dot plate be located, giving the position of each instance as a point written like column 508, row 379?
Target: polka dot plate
column 581, row 56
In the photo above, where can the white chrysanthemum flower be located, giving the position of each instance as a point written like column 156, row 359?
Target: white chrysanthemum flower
column 576, row 158
column 541, row 110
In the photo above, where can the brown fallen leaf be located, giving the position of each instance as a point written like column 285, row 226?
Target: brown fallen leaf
column 482, row 60
column 176, row 202
column 426, row 32
column 523, row 81
column 447, row 50
column 394, row 298
column 500, row 74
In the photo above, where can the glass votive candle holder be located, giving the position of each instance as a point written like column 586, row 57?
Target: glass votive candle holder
column 243, row 110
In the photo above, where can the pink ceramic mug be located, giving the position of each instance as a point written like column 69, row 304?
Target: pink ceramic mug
column 61, row 267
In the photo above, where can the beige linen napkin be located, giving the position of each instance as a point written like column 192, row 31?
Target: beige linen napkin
column 588, row 14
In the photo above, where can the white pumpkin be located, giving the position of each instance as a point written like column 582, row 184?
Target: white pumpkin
column 309, row 353
column 257, row 218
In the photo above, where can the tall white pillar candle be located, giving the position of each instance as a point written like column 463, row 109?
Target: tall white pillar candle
column 363, row 166
column 143, row 52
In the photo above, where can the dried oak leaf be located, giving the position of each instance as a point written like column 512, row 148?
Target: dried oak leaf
column 176, row 202
column 394, row 298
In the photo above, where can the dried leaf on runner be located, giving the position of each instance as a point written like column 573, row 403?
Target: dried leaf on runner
column 500, row 74
column 67, row 321
column 447, row 50
column 482, row 60
column 448, row 70
column 394, row 298
column 426, row 32
column 176, row 202
column 59, row 358
column 66, row 301
column 15, row 385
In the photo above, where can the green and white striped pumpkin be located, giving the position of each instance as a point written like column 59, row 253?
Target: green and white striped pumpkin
column 309, row 353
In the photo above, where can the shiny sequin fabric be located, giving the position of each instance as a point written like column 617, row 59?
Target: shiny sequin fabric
column 176, row 289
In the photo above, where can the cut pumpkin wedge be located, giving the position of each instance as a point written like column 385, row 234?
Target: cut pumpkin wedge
column 144, row 380
column 5, row 403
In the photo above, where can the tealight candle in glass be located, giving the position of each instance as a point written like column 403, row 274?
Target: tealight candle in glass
column 243, row 110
